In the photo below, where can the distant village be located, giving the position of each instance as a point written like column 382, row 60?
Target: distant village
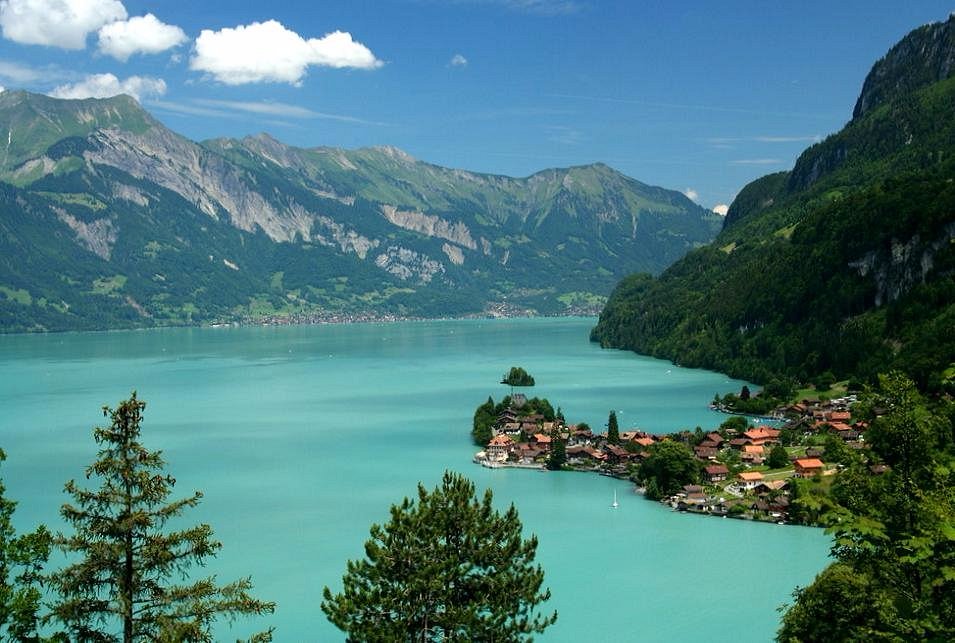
column 735, row 477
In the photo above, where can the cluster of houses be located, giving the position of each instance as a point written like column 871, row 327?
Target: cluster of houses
column 527, row 440
column 833, row 415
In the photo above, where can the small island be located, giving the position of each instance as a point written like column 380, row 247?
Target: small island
column 780, row 473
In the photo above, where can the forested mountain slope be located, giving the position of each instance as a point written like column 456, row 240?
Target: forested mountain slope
column 845, row 263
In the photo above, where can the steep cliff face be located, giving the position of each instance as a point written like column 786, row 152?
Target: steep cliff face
column 925, row 56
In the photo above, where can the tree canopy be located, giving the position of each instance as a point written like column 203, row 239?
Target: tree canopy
column 130, row 570
column 447, row 566
column 21, row 562
column 517, row 376
column 894, row 533
column 669, row 466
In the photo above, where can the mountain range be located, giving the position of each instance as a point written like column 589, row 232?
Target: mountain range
column 846, row 263
column 108, row 219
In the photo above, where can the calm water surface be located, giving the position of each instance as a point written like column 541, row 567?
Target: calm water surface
column 301, row 437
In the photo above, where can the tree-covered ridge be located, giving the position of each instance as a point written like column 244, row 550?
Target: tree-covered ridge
column 844, row 264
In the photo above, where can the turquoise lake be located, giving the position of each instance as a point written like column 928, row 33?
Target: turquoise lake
column 301, row 437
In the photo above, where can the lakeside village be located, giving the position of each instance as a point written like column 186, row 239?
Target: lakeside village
column 738, row 470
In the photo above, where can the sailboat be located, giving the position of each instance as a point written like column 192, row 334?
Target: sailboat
column 615, row 503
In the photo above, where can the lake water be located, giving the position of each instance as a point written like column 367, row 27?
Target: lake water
column 301, row 437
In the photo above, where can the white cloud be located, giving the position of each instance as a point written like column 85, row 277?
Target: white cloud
column 691, row 194
column 542, row 7
column 721, row 209
column 457, row 60
column 139, row 35
column 18, row 73
column 757, row 162
column 56, row 23
column 106, row 85
column 274, row 108
column 2, row 89
column 268, row 52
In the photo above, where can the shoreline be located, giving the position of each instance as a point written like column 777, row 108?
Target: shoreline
column 329, row 320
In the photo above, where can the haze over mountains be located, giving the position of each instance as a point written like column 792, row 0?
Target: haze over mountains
column 109, row 219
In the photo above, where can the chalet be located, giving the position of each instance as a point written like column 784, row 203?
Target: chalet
column 762, row 435
column 509, row 428
column 705, row 453
column 714, row 437
column 579, row 435
column 752, row 453
column 839, row 416
column 770, row 486
column 528, row 452
column 716, row 472
column 616, row 453
column 508, row 415
column 709, row 444
column 739, row 443
column 542, row 440
column 808, row 467
column 498, row 448
column 749, row 479
column 693, row 490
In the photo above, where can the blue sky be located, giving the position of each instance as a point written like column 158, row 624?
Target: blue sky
column 700, row 96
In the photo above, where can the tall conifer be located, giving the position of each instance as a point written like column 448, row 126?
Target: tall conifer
column 447, row 567
column 613, row 430
column 131, row 570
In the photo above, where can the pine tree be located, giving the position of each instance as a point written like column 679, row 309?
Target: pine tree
column 128, row 564
column 558, row 451
column 613, row 431
column 21, row 562
column 447, row 567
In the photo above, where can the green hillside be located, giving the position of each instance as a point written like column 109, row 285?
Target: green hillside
column 110, row 220
column 844, row 264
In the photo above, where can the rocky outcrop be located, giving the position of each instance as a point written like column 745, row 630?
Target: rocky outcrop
column 96, row 236
column 207, row 180
column 924, row 56
column 407, row 264
column 904, row 265
column 430, row 226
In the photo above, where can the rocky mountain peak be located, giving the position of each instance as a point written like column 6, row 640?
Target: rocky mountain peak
column 925, row 56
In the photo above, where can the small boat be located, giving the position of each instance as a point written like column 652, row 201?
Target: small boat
column 615, row 503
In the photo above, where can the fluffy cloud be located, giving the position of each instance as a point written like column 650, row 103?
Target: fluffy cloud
column 457, row 60
column 2, row 89
column 57, row 23
column 106, row 85
column 142, row 34
column 721, row 209
column 268, row 52
column 691, row 194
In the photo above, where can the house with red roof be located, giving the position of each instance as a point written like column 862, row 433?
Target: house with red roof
column 808, row 467
column 498, row 448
